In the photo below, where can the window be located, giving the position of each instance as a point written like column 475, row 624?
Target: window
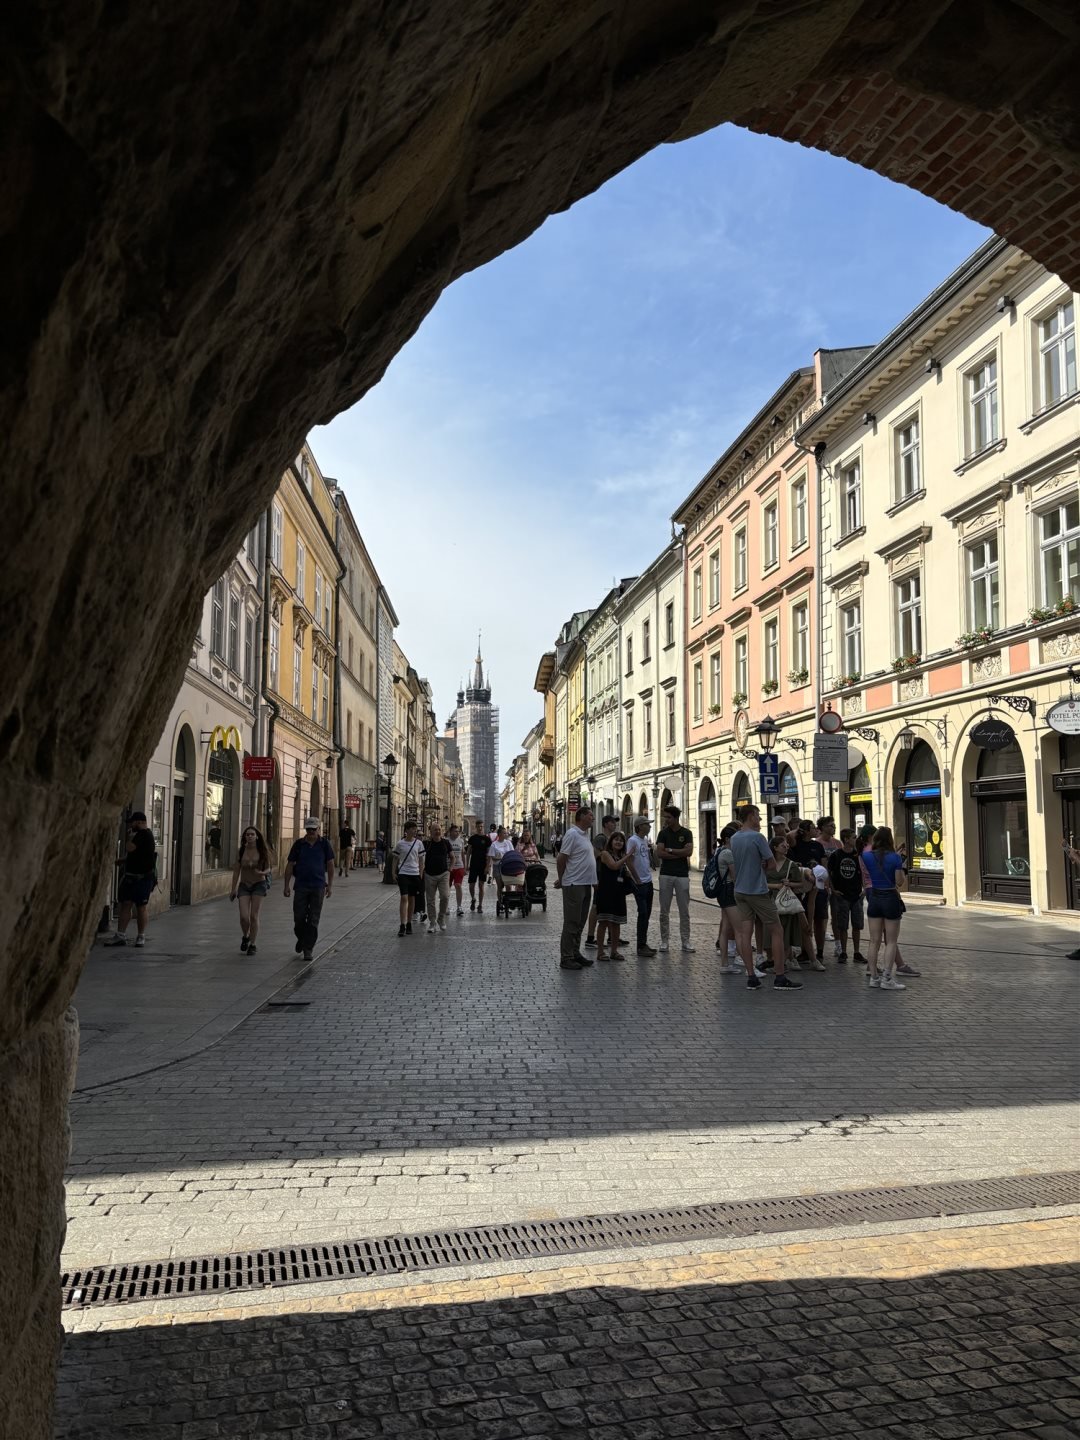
column 714, row 679
column 252, row 545
column 1059, row 546
column 300, row 557
column 800, row 639
column 908, row 472
column 327, row 608
column 352, row 670
column 629, row 653
column 297, row 671
column 249, row 649
column 982, row 568
column 851, row 638
column 314, row 690
column 348, row 731
column 714, row 579
column 669, row 623
column 909, row 616
column 695, row 604
column 275, row 655
column 646, row 626
column 1057, row 355
column 770, row 536
column 305, row 472
column 799, row 531
column 629, row 734
column 233, row 657
column 277, row 535
column 371, row 677
column 318, row 595
column 742, row 667
column 325, row 714
column 217, row 620
column 982, row 405
column 646, row 725
column 851, row 499
column 671, row 718
column 772, row 651
column 740, row 559
column 611, row 665
column 698, row 690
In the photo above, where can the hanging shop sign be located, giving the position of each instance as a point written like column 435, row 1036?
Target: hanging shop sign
column 1064, row 717
column 258, row 767
column 992, row 734
column 352, row 802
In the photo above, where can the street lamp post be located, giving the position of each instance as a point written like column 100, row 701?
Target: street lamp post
column 767, row 731
column 389, row 766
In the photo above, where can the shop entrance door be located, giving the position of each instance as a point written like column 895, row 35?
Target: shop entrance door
column 176, row 864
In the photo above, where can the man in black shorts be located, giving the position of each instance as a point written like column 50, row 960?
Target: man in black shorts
column 137, row 881
column 847, row 888
column 479, row 845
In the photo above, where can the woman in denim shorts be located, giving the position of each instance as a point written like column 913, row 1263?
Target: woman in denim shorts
column 884, row 907
column 251, row 881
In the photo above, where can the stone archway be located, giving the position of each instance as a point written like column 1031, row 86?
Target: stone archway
column 195, row 281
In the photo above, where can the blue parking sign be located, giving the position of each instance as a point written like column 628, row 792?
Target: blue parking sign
column 769, row 776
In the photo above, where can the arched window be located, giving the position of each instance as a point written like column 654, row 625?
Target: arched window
column 789, row 788
column 740, row 795
column 643, row 804
column 860, row 777
column 922, row 766
column 1007, row 761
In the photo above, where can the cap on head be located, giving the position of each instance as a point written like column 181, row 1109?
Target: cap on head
column 138, row 815
column 641, row 823
column 311, row 823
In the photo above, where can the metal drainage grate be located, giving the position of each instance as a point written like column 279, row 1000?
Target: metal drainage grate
column 484, row 1244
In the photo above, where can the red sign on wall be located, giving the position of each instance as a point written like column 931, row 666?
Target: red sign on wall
column 352, row 802
column 258, row 767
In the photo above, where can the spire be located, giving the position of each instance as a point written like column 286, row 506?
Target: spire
column 478, row 669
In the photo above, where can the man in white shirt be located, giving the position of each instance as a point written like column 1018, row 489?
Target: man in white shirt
column 639, row 852
column 577, row 876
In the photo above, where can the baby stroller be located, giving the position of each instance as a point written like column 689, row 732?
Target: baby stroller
column 536, row 885
column 514, row 894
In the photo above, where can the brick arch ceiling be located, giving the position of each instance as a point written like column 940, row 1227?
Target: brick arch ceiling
column 222, row 220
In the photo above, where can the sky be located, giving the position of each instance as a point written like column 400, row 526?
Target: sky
column 531, row 441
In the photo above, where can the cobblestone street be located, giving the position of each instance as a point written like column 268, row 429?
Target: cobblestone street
column 442, row 1080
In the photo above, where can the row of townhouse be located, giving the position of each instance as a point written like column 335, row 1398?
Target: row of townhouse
column 894, row 538
column 296, row 671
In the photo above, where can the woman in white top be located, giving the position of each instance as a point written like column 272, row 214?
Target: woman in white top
column 500, row 846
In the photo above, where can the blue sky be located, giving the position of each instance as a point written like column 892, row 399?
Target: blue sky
column 531, row 441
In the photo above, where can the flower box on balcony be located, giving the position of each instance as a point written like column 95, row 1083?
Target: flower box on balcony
column 905, row 662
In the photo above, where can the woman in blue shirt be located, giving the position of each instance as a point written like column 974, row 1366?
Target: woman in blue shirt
column 884, row 907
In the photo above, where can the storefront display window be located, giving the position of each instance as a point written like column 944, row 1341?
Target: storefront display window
column 860, row 797
column 741, row 796
column 219, row 801
column 921, row 794
column 1000, row 790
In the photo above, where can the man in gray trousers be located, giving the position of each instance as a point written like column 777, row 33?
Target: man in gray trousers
column 577, row 876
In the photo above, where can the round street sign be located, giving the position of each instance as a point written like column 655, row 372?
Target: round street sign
column 1064, row 717
column 830, row 722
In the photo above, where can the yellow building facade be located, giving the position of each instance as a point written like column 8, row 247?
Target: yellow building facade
column 305, row 569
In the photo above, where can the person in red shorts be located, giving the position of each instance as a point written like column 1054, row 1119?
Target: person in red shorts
column 457, row 862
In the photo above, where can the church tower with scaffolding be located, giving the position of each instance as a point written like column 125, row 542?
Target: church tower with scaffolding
column 475, row 728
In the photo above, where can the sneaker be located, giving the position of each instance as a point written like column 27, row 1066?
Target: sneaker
column 590, row 942
column 646, row 950
column 816, row 964
column 663, row 948
column 760, row 958
column 251, row 949
column 838, row 951
column 431, row 929
column 442, row 928
column 781, row 982
column 728, row 968
column 460, row 911
column 733, row 951
column 889, row 983
column 873, row 979
column 570, row 964
column 859, row 958
column 907, row 969
column 753, row 982
column 408, row 927
column 298, row 946
column 472, row 904
column 244, row 945
column 116, row 939
column 400, row 931
column 584, row 959
column 841, row 959
column 308, row 955
column 761, row 965
column 688, row 950
column 793, row 964
column 479, row 909
column 140, row 939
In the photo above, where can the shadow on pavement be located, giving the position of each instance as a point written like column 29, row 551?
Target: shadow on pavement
column 953, row 1354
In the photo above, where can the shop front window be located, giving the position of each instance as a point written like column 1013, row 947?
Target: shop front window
column 1004, row 841
column 219, row 804
column 921, row 793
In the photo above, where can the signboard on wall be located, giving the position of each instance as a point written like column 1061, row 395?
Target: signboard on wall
column 992, row 734
column 352, row 802
column 1064, row 717
column 769, row 777
column 258, row 767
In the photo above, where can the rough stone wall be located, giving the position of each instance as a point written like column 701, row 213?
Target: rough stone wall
column 220, row 223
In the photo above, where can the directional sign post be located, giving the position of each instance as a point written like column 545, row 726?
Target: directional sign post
column 768, row 777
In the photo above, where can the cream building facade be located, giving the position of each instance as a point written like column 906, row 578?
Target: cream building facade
column 603, row 693
column 950, row 581
column 649, row 613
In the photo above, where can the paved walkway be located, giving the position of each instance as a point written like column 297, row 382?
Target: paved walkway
column 189, row 984
column 936, row 1336
column 463, row 1078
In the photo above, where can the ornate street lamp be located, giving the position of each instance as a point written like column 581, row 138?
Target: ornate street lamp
column 389, row 766
column 767, row 731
